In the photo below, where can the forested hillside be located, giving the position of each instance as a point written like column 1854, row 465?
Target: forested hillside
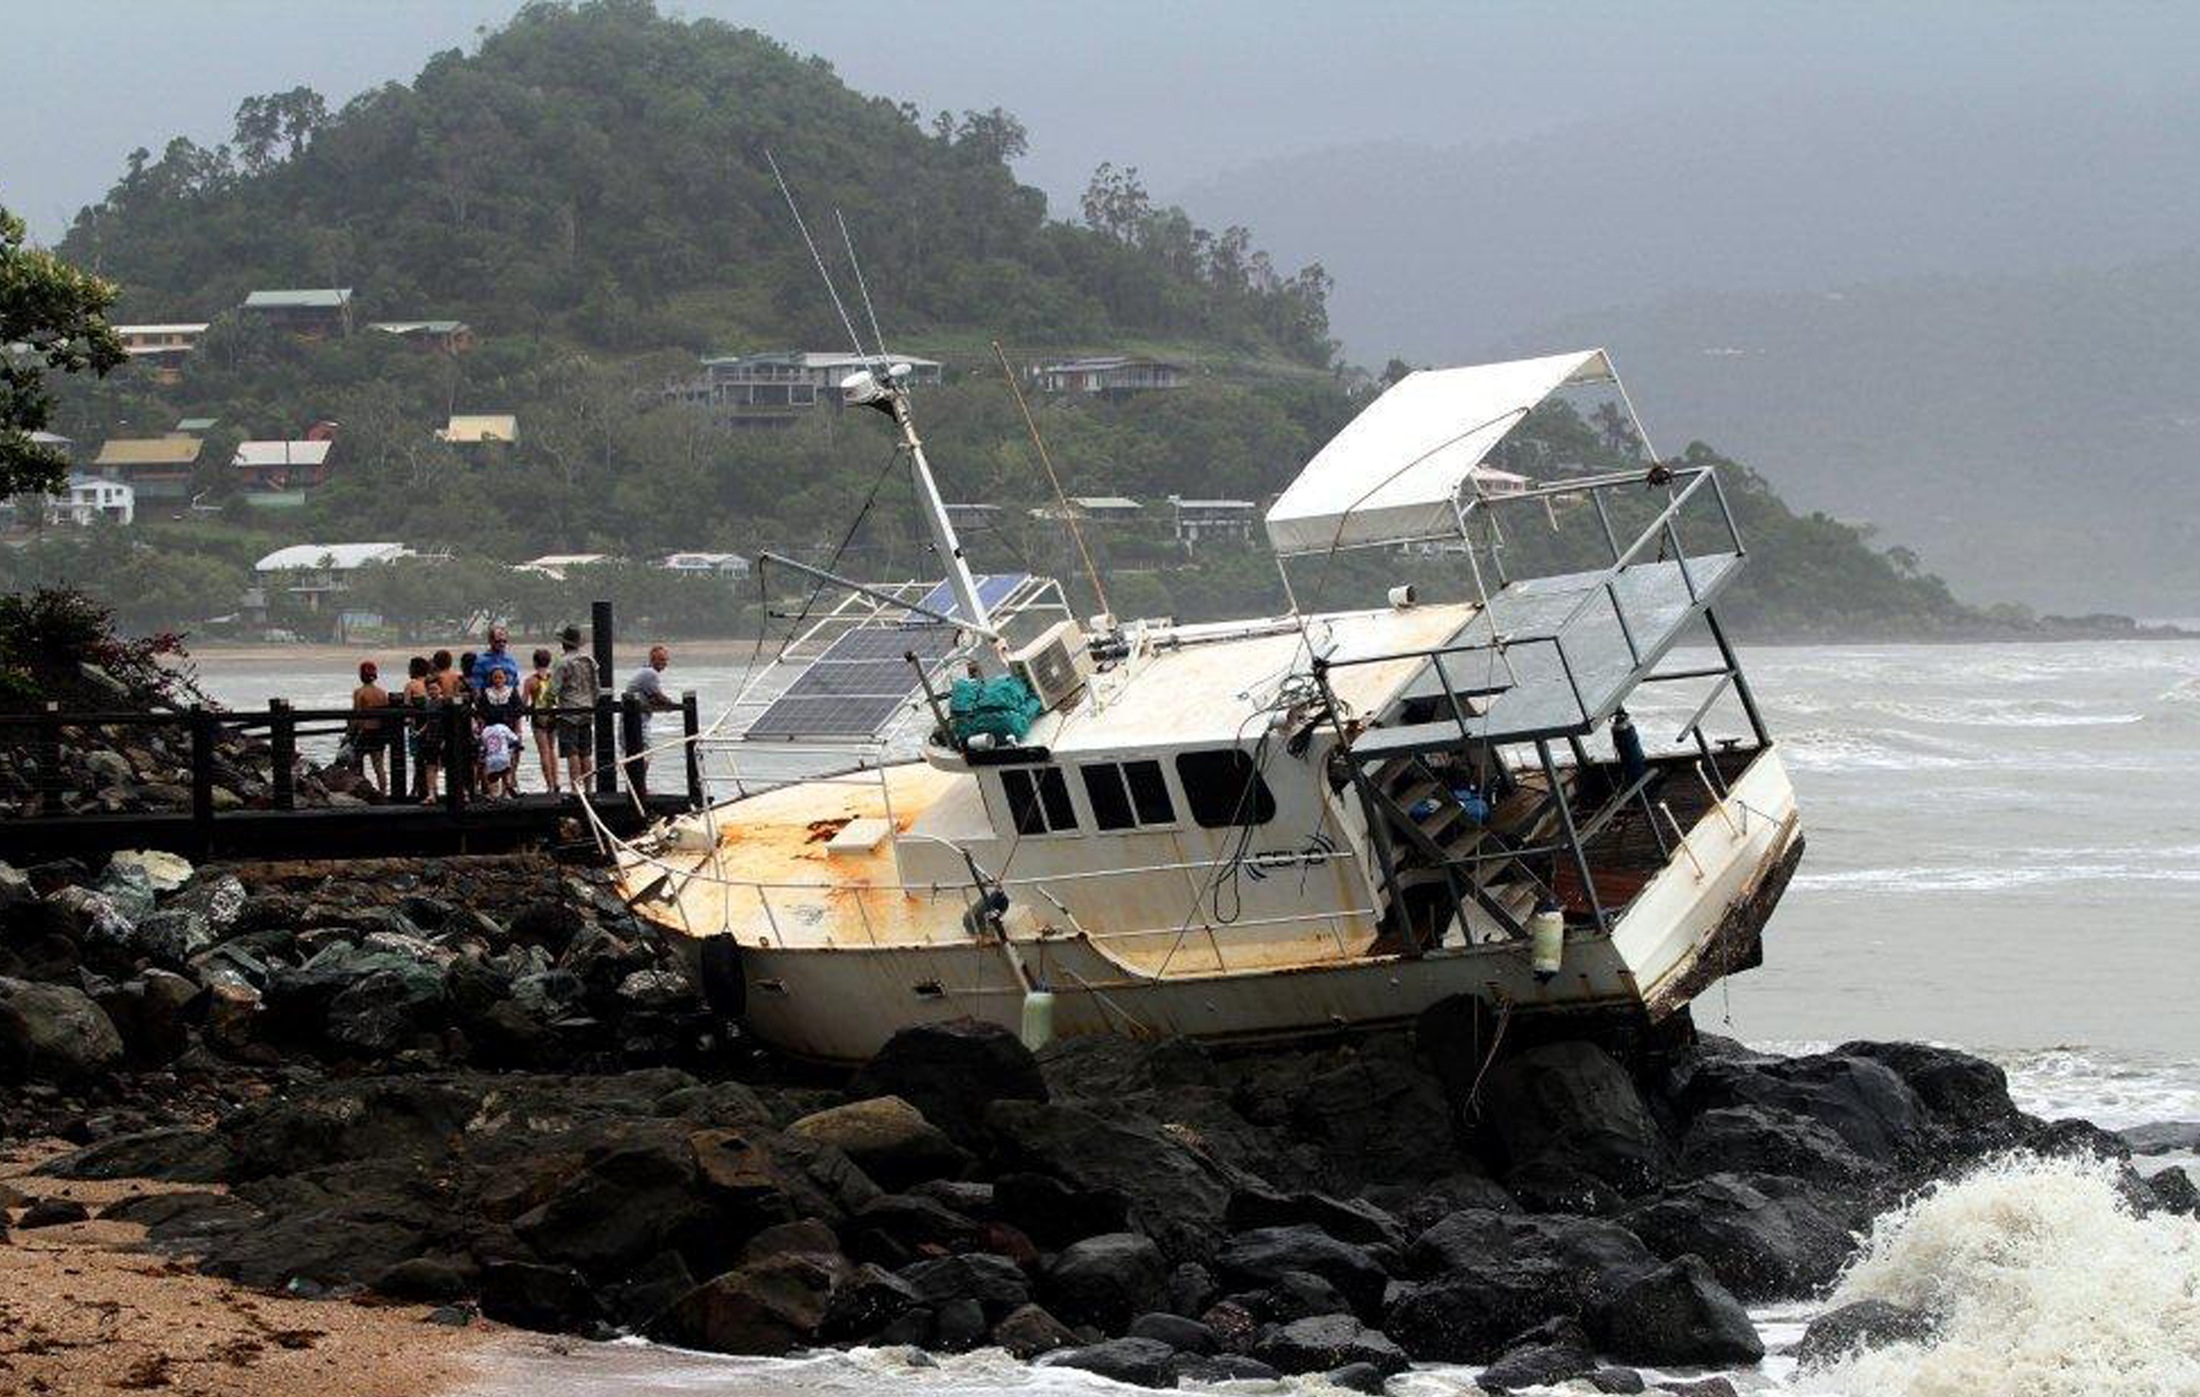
column 589, row 191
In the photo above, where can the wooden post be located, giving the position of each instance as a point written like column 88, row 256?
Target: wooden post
column 631, row 742
column 691, row 726
column 393, row 738
column 203, row 732
column 282, row 736
column 458, row 759
column 601, row 634
column 49, row 760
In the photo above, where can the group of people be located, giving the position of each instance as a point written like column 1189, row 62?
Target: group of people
column 498, row 709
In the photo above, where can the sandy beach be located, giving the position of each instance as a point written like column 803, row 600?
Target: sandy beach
column 85, row 1308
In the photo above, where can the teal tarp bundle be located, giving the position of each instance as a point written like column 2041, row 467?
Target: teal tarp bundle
column 1004, row 707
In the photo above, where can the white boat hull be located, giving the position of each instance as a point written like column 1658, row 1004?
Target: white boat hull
column 1698, row 918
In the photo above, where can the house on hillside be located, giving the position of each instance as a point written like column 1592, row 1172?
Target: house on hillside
column 91, row 498
column 310, row 313
column 156, row 468
column 1108, row 375
column 556, row 565
column 480, row 429
column 728, row 565
column 194, row 426
column 1099, row 509
column 746, row 389
column 161, row 349
column 56, row 442
column 318, row 573
column 1213, row 521
column 429, row 336
column 277, row 474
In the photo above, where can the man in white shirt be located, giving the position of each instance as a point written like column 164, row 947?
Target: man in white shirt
column 647, row 689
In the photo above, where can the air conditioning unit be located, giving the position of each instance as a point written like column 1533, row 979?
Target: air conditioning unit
column 1055, row 665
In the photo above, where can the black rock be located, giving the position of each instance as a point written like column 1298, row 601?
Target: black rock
column 1177, row 1194
column 768, row 1308
column 2162, row 1137
column 173, row 1154
column 1105, row 1280
column 1418, row 1207
column 898, row 1228
column 1139, row 1362
column 2077, row 1139
column 1767, row 1140
column 1766, row 1238
column 1326, row 1342
column 1192, row 1288
column 53, row 1033
column 1053, row 1213
column 1678, row 1313
column 1294, row 1295
column 1713, row 1386
column 1615, row 1379
column 994, row 1282
column 1028, row 1331
column 1183, row 1335
column 1262, row 1256
column 951, row 1072
column 1597, row 1257
column 52, row 1212
column 1373, row 1117
column 434, row 1279
column 1348, row 1219
column 1863, row 1324
column 1358, row 1377
column 958, row 1326
column 1569, row 1105
column 637, row 1298
column 1967, row 1096
column 2175, row 1192
column 869, row 1302
column 1859, row 1099
column 553, row 1299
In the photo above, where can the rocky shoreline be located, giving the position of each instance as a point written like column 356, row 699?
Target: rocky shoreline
column 481, row 1086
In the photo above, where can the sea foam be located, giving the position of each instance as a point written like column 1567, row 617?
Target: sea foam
column 2046, row 1283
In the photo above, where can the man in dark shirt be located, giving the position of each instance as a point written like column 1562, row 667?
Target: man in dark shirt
column 647, row 692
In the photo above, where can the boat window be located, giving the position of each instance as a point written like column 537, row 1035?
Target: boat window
column 1225, row 788
column 1127, row 796
column 1038, row 800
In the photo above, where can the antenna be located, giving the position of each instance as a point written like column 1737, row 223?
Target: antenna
column 868, row 309
column 815, row 256
column 1061, row 501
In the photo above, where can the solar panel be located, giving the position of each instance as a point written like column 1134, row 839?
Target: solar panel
column 857, row 684
column 993, row 589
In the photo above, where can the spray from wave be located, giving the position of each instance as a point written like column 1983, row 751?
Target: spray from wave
column 2046, row 1285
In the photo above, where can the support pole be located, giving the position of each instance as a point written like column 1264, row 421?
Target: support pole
column 1573, row 840
column 600, row 630
column 1741, row 681
column 282, row 739
column 691, row 727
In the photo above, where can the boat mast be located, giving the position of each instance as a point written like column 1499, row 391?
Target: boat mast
column 881, row 388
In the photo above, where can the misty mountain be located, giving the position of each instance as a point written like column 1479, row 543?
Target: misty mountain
column 1969, row 325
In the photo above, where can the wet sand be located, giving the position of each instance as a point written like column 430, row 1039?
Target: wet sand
column 83, row 1309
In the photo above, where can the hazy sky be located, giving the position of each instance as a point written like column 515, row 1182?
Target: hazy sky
column 1182, row 90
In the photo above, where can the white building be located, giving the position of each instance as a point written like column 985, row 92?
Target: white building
column 556, row 565
column 774, row 385
column 316, row 571
column 730, row 565
column 90, row 498
column 1112, row 375
column 1213, row 521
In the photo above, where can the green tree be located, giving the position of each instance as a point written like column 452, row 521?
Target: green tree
column 52, row 316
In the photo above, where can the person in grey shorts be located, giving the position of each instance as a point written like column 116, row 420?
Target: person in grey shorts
column 578, row 686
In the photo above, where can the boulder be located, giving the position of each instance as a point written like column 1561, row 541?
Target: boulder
column 1766, row 1140
column 171, row 936
column 1678, row 1313
column 1468, row 1317
column 1261, row 1256
column 1490, row 1276
column 1213, row 1369
column 958, row 1326
column 1859, row 1099
column 53, row 1033
column 1863, row 1324
column 994, row 1282
column 1324, row 1342
column 802, row 1235
column 1374, row 1117
column 1570, row 1104
column 899, row 1228
column 40, row 940
column 1293, row 1295
column 382, row 1011
column 870, row 1301
column 1176, row 1193
column 2174, row 1192
column 552, row 1299
column 2162, row 1137
column 149, row 1014
column 1183, row 1335
column 1767, row 1238
column 1418, row 1207
column 173, row 1154
column 1138, row 1362
column 888, row 1139
column 1028, row 1331
column 434, row 1280
column 1536, row 1365
column 769, row 1308
column 1967, row 1096
column 640, row 1194
column 1053, row 1213
column 1104, row 1281
column 951, row 1072
column 1615, row 1379
column 1192, row 1288
column 1347, row 1219
column 52, row 1212
column 1358, row 1377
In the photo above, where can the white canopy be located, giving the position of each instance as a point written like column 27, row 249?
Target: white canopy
column 1393, row 472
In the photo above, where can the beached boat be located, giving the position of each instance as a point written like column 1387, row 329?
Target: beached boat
column 1257, row 829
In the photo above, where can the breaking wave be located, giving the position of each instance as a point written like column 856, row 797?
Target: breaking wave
column 2046, row 1285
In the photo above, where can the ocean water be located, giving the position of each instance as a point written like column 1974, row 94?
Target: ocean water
column 2004, row 856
